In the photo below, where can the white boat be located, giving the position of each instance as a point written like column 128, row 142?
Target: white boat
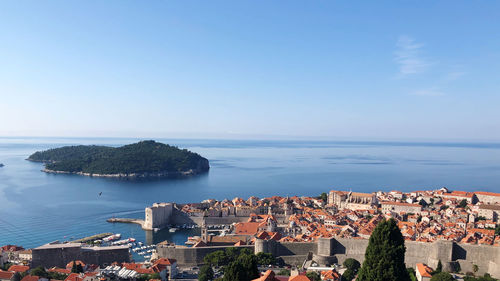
column 173, row 229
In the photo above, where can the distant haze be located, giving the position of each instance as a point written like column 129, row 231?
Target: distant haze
column 250, row 69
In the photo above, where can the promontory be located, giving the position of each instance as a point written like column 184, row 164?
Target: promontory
column 139, row 160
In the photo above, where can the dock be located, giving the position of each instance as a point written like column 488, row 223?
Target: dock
column 126, row 220
column 92, row 238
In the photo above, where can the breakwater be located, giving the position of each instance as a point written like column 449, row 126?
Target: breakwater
column 126, row 220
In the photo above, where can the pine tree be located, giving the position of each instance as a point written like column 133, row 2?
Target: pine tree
column 385, row 255
column 17, row 277
column 74, row 269
column 439, row 267
column 206, row 273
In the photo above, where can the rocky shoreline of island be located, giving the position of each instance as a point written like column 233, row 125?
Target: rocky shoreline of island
column 129, row 175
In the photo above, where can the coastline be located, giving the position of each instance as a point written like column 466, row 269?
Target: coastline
column 129, row 175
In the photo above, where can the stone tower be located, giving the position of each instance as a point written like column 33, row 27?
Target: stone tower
column 204, row 232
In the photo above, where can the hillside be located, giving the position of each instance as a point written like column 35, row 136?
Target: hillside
column 142, row 159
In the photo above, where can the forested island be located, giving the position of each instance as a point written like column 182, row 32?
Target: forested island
column 139, row 160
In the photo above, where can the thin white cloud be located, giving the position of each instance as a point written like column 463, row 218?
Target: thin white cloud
column 432, row 92
column 452, row 76
column 408, row 57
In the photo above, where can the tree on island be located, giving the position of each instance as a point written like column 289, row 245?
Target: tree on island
column 385, row 255
column 313, row 276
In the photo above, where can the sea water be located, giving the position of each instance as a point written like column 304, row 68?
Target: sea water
column 37, row 208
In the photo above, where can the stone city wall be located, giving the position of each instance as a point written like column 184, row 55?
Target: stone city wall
column 60, row 256
column 191, row 256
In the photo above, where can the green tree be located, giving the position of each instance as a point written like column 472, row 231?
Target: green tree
column 385, row 255
column 439, row 268
column 79, row 268
column 73, row 268
column 497, row 230
column 423, row 203
column 284, row 272
column 442, row 276
column 206, row 273
column 266, row 258
column 232, row 253
column 217, row 258
column 16, row 277
column 352, row 266
column 313, row 276
column 250, row 266
column 475, row 268
column 411, row 272
column 324, row 197
column 39, row 271
column 462, row 204
column 234, row 272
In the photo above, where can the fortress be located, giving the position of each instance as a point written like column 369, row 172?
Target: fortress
column 157, row 216
column 161, row 215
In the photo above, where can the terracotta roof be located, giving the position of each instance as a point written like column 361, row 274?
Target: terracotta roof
column 6, row 274
column 400, row 204
column 267, row 276
column 72, row 277
column 424, row 270
column 30, row 278
column 299, row 278
column 487, row 193
column 60, row 270
column 11, row 248
column 19, row 268
column 247, row 228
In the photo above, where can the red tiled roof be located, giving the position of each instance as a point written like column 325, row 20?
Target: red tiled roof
column 487, row 193
column 6, row 274
column 424, row 270
column 30, row 278
column 72, row 277
column 60, row 270
column 299, row 278
column 19, row 268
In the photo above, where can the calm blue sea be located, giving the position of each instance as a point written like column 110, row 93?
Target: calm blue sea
column 36, row 208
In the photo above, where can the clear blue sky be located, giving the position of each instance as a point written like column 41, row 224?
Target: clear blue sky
column 335, row 69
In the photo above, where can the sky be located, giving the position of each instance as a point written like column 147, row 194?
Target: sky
column 251, row 69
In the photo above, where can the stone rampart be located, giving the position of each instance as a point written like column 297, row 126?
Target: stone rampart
column 191, row 256
column 61, row 254
column 337, row 250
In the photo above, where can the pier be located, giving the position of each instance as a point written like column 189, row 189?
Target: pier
column 92, row 238
column 126, row 220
